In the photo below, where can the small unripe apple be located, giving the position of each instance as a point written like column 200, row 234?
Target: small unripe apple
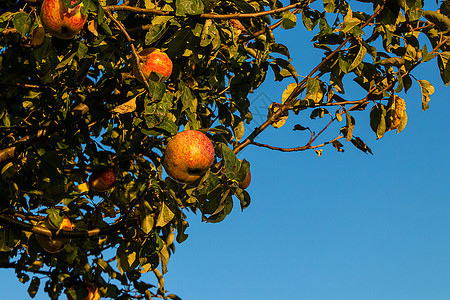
column 246, row 182
column 154, row 60
column 54, row 244
column 102, row 180
column 61, row 21
column 189, row 154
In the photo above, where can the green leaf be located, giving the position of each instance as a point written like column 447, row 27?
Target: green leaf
column 164, row 256
column 189, row 7
column 403, row 122
column 22, row 22
column 427, row 90
column 147, row 220
column 280, row 48
column 441, row 21
column 309, row 20
column 181, row 228
column 358, row 143
column 359, row 57
column 34, row 286
column 127, row 257
column 329, row 5
column 414, row 10
column 350, row 125
column 318, row 112
column 393, row 61
column 378, row 120
column 444, row 66
column 165, row 216
column 230, row 161
column 154, row 33
column 349, row 21
column 289, row 20
column 239, row 131
column 169, row 126
column 244, row 198
column 54, row 217
column 224, row 209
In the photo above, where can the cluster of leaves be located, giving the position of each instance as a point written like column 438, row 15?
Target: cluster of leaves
column 71, row 107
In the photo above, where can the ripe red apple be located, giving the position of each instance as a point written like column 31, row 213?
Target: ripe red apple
column 246, row 182
column 102, row 180
column 189, row 154
column 61, row 21
column 154, row 60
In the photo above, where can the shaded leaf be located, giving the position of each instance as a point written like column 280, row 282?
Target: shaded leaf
column 378, row 120
column 22, row 22
column 444, row 66
column 34, row 286
column 440, row 20
column 358, row 143
column 338, row 145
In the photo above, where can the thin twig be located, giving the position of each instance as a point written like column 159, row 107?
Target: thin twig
column 300, row 87
column 308, row 146
column 137, row 59
column 111, row 8
column 10, row 221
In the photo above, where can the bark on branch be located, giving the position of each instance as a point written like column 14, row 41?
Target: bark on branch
column 15, row 223
column 111, row 8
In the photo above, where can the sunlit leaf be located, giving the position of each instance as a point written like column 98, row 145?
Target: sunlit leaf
column 427, row 90
column 165, row 216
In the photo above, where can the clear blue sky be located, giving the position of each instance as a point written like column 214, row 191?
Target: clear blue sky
column 340, row 226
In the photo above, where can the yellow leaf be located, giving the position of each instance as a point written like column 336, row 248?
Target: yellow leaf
column 83, row 188
column 92, row 27
column 273, row 108
column 126, row 107
column 289, row 89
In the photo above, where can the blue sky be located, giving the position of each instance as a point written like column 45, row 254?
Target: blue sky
column 340, row 226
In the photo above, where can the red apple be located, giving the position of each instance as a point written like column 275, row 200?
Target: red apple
column 246, row 182
column 189, row 154
column 154, row 60
column 102, row 180
column 61, row 21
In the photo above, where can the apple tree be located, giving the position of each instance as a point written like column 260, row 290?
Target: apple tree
column 85, row 201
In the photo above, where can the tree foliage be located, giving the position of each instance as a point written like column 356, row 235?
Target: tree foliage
column 71, row 107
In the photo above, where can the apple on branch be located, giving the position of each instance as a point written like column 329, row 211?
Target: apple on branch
column 54, row 244
column 189, row 154
column 154, row 60
column 61, row 21
column 102, row 180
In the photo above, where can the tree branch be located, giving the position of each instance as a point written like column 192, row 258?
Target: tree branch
column 300, row 87
column 12, row 265
column 111, row 8
column 8, row 153
column 137, row 59
column 10, row 221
